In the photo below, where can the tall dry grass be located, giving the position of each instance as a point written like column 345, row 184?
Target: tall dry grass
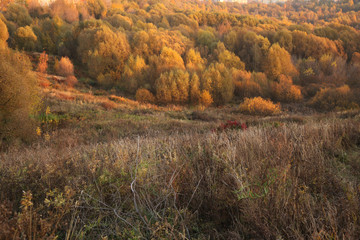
column 287, row 182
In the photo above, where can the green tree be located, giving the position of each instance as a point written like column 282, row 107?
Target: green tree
column 25, row 39
column 18, row 14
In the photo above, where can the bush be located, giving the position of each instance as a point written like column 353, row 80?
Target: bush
column 64, row 67
column 71, row 81
column 259, row 106
column 144, row 96
column 333, row 99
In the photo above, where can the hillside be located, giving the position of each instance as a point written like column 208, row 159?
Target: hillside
column 159, row 119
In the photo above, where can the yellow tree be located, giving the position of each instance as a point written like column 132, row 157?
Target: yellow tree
column 194, row 62
column 173, row 87
column 278, row 61
column 218, row 81
column 169, row 59
column 4, row 35
column 19, row 96
column 195, row 93
column 134, row 73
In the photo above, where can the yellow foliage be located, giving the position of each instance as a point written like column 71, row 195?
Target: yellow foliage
column 259, row 106
column 64, row 67
column 206, row 99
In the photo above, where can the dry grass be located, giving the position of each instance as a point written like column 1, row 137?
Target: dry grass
column 292, row 181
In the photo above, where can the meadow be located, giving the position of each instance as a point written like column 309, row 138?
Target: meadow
column 146, row 172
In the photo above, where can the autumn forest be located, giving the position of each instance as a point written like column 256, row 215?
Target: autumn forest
column 165, row 119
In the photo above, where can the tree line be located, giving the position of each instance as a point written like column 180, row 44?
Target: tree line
column 197, row 52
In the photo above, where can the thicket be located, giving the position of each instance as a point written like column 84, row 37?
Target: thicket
column 131, row 45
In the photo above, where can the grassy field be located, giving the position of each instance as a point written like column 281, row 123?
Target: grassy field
column 104, row 167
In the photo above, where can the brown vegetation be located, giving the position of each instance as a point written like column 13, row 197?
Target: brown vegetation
column 226, row 185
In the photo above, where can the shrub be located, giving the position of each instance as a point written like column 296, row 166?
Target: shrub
column 333, row 98
column 144, row 96
column 259, row 106
column 43, row 65
column 64, row 67
column 71, row 81
column 108, row 105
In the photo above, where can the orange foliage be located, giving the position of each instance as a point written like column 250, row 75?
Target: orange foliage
column 259, row 106
column 206, row 99
column 285, row 91
column 42, row 66
column 108, row 105
column 71, row 81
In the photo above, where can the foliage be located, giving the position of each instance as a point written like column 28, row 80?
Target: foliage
column 19, row 96
column 205, row 98
column 25, row 39
column 218, row 82
column 43, row 62
column 71, row 81
column 18, row 14
column 144, row 96
column 231, row 125
column 333, row 98
column 259, row 106
column 172, row 87
column 64, row 67
column 169, row 59
column 104, row 52
column 285, row 91
column 278, row 62
column 4, row 35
